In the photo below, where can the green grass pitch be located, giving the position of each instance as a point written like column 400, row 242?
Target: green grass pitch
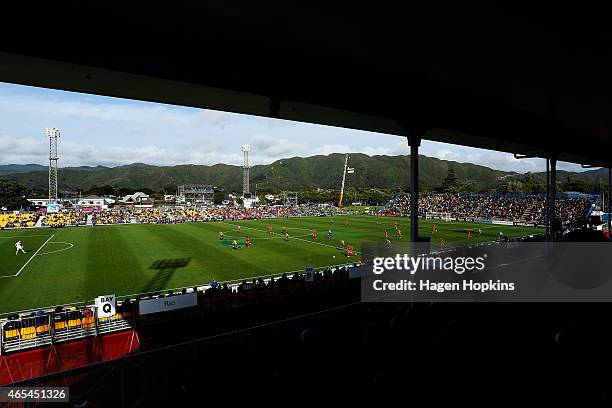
column 72, row 265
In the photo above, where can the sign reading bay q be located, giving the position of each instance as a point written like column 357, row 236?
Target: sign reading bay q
column 106, row 306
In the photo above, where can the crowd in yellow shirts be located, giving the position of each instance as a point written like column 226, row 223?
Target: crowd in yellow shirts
column 19, row 220
column 61, row 219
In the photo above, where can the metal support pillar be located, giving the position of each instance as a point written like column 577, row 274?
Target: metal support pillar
column 551, row 197
column 547, row 231
column 414, row 142
column 609, row 200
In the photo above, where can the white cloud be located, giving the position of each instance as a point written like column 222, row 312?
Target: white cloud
column 110, row 131
column 267, row 148
column 111, row 110
column 447, row 154
column 30, row 150
column 331, row 148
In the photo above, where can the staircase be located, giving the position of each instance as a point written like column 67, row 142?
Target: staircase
column 526, row 217
column 39, row 222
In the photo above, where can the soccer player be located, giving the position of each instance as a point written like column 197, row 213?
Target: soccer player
column 349, row 250
column 239, row 228
column 442, row 243
column 479, row 232
column 342, row 245
column 469, row 234
column 386, row 235
column 388, row 243
column 329, row 233
column 234, row 244
column 284, row 228
column 331, row 221
column 19, row 247
column 314, row 234
column 248, row 242
column 220, row 235
column 269, row 229
column 399, row 233
column 286, row 236
column 434, row 229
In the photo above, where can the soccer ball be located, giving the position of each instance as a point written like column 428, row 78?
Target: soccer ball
column 334, row 256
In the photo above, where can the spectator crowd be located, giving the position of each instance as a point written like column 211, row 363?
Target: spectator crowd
column 528, row 209
column 65, row 218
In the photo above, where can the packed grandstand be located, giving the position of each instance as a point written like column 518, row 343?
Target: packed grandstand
column 523, row 209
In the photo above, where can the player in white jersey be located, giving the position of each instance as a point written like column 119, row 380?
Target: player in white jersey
column 19, row 247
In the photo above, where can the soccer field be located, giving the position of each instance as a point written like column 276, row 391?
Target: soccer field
column 71, row 265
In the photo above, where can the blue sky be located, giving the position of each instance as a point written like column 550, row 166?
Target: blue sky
column 107, row 131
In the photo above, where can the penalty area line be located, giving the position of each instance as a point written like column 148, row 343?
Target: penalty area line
column 32, row 257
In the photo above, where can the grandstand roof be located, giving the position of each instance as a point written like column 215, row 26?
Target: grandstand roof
column 135, row 197
column 504, row 82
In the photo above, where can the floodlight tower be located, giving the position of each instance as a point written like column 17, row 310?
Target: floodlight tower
column 53, row 134
column 245, row 166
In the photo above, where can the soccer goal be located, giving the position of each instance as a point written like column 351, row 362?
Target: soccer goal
column 434, row 215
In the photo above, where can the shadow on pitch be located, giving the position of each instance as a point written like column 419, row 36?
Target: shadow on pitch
column 165, row 268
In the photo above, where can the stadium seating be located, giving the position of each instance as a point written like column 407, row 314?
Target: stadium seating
column 28, row 332
column 60, row 325
column 525, row 209
column 11, row 334
column 20, row 220
column 62, row 219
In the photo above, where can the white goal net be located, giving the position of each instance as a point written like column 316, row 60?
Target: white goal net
column 433, row 215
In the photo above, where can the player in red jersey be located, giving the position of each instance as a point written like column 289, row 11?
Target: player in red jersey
column 349, row 250
column 386, row 235
column 269, row 229
column 248, row 242
column 442, row 243
column 314, row 234
column 434, row 229
column 469, row 234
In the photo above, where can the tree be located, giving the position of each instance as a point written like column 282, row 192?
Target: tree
column 465, row 186
column 218, row 197
column 450, row 183
column 12, row 195
column 101, row 190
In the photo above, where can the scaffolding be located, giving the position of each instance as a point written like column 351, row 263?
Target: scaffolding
column 290, row 198
column 53, row 134
column 195, row 195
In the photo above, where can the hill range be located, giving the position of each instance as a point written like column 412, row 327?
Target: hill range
column 296, row 173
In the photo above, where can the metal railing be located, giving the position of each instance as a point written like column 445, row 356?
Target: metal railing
column 58, row 327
